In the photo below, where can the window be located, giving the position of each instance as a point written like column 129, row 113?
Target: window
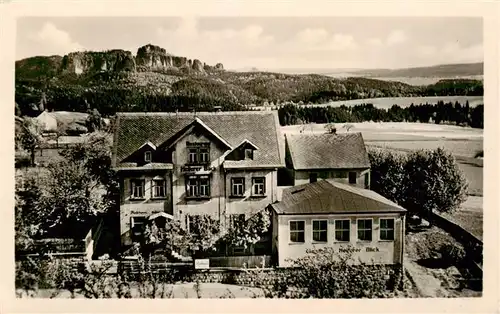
column 342, row 230
column 198, row 153
column 364, row 229
column 147, row 156
column 259, row 186
column 204, row 155
column 352, row 177
column 367, row 180
column 297, row 231
column 320, row 230
column 197, row 186
column 387, row 229
column 137, row 188
column 204, row 187
column 313, row 177
column 159, row 188
column 237, row 186
column 248, row 153
column 137, row 227
column 192, row 155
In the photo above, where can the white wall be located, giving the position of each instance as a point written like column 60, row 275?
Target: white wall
column 341, row 176
column 389, row 252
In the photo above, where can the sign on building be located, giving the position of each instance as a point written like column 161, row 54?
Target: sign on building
column 202, row 263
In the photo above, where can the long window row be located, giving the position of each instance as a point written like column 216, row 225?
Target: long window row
column 342, row 230
column 138, row 188
column 238, row 186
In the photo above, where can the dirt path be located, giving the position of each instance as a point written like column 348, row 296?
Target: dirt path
column 427, row 285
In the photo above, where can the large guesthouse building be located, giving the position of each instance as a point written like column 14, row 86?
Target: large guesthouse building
column 182, row 165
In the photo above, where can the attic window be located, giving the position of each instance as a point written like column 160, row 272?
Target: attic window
column 248, row 153
column 147, row 156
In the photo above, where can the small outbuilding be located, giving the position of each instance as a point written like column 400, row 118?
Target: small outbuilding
column 327, row 213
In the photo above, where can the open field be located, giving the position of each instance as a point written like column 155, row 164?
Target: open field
column 387, row 102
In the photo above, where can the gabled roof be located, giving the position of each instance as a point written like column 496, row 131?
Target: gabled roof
column 330, row 197
column 246, row 142
column 259, row 127
column 328, row 151
column 197, row 121
column 148, row 143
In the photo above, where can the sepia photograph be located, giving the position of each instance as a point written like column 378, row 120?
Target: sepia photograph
column 259, row 157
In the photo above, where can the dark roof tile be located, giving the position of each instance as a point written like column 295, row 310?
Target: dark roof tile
column 330, row 197
column 260, row 128
column 328, row 151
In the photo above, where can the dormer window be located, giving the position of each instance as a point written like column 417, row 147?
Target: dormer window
column 248, row 153
column 147, row 156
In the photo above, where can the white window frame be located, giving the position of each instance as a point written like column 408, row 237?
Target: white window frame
column 239, row 186
column 134, row 186
column 148, row 156
column 192, row 187
column 387, row 229
column 197, row 187
column 156, row 187
column 204, row 155
column 303, row 231
column 259, row 186
column 343, row 230
column 357, row 230
column 204, row 185
column 192, row 155
column 320, row 230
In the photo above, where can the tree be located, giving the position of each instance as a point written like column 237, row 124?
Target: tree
column 30, row 136
column 387, row 175
column 433, row 182
column 249, row 232
column 94, row 121
column 70, row 196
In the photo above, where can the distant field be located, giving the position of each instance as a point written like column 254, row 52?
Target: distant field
column 418, row 81
column 466, row 148
column 387, row 102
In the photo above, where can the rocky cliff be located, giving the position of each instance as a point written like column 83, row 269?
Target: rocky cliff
column 154, row 58
column 89, row 61
column 149, row 58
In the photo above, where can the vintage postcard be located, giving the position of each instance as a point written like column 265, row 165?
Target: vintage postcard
column 260, row 152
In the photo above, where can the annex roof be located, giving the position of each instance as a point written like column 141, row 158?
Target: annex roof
column 328, row 151
column 330, row 197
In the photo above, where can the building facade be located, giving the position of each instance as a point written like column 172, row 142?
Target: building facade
column 223, row 165
column 346, row 218
column 341, row 157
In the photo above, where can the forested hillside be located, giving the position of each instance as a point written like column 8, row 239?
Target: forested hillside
column 153, row 80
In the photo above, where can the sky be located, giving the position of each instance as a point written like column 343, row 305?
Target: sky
column 266, row 43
